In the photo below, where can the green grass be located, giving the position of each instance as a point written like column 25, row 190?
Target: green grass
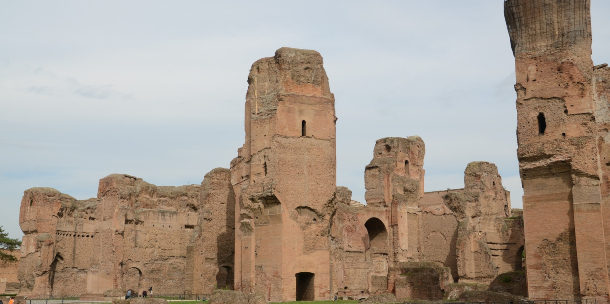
column 318, row 302
column 189, row 302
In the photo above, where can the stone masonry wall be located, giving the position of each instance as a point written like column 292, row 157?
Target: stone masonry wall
column 284, row 178
column 562, row 136
column 134, row 235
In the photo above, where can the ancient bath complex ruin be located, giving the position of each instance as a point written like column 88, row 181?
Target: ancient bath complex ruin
column 277, row 224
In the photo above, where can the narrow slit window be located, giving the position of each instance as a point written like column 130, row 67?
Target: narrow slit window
column 303, row 128
column 541, row 123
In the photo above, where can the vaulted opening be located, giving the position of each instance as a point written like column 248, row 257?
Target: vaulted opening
column 224, row 278
column 305, row 286
column 520, row 259
column 378, row 234
column 541, row 123
column 133, row 278
column 303, row 128
column 53, row 270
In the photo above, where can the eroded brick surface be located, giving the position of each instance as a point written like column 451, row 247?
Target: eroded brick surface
column 275, row 226
column 562, row 133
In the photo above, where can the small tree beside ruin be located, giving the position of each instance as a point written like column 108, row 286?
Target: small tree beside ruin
column 8, row 244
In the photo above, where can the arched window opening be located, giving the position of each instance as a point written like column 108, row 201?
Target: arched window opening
column 541, row 123
column 303, row 128
column 378, row 234
column 407, row 167
column 520, row 259
column 224, row 278
column 305, row 286
column 388, row 148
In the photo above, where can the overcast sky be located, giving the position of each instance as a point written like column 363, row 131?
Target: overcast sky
column 157, row 89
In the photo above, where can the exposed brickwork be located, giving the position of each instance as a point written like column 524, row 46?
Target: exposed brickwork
column 562, row 107
column 134, row 235
column 275, row 226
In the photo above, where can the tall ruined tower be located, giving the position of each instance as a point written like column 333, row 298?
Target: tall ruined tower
column 395, row 180
column 284, row 179
column 563, row 154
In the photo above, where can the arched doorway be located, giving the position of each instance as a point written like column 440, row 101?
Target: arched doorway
column 132, row 279
column 53, row 269
column 305, row 286
column 520, row 259
column 224, row 278
column 378, row 234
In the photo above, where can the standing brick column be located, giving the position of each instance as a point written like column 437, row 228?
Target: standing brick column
column 559, row 149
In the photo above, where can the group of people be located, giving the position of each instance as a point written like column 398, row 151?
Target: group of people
column 10, row 301
column 130, row 294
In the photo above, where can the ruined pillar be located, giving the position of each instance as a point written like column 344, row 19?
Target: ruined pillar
column 394, row 180
column 284, row 178
column 558, row 149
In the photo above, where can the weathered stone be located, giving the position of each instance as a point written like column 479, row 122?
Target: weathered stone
column 455, row 290
column 275, row 227
column 379, row 298
column 422, row 281
column 563, row 148
column 134, row 235
column 513, row 282
column 284, row 179
column 9, row 279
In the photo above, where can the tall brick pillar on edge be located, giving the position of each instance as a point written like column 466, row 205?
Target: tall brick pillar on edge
column 285, row 178
column 559, row 149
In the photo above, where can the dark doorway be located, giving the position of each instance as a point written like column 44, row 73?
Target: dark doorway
column 303, row 128
column 378, row 235
column 520, row 259
column 224, row 278
column 53, row 270
column 305, row 286
column 541, row 123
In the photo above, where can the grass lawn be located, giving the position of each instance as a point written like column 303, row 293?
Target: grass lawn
column 319, row 302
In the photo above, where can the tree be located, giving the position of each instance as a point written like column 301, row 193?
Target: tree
column 9, row 244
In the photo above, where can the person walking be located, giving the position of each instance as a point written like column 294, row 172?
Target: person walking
column 150, row 291
column 144, row 293
column 128, row 296
column 11, row 301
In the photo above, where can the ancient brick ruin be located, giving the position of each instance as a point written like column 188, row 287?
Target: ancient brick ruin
column 276, row 224
column 133, row 235
column 9, row 281
column 564, row 151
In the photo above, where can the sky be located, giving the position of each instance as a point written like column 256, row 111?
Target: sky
column 156, row 89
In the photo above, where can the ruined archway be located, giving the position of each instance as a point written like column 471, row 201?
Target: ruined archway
column 378, row 234
column 224, row 278
column 133, row 278
column 520, row 259
column 305, row 286
column 53, row 269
